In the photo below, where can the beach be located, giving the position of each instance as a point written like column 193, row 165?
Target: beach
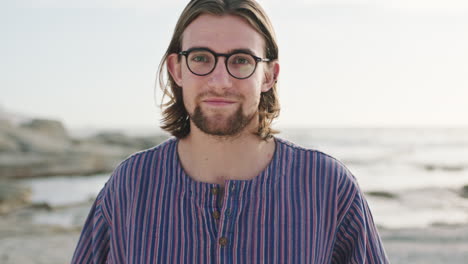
column 447, row 244
column 415, row 181
column 24, row 240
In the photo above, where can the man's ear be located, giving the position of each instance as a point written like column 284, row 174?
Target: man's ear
column 174, row 67
column 271, row 75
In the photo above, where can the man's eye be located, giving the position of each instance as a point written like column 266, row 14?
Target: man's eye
column 241, row 60
column 200, row 58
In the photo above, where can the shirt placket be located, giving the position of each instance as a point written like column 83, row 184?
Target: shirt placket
column 226, row 223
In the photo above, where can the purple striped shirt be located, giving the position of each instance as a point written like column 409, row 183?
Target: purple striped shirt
column 305, row 207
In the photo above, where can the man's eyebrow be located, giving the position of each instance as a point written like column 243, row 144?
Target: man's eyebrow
column 243, row 50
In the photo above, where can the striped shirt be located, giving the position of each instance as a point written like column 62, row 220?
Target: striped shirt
column 305, row 207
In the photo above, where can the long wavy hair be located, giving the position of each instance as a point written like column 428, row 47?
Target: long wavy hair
column 175, row 118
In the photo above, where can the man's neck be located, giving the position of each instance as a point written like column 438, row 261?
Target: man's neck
column 213, row 159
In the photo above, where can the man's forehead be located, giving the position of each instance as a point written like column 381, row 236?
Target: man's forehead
column 222, row 34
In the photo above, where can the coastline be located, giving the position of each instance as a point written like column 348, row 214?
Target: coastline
column 433, row 245
column 416, row 187
column 23, row 239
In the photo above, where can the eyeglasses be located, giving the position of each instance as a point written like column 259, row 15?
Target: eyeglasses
column 239, row 64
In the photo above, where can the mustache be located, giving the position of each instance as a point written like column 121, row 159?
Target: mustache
column 228, row 95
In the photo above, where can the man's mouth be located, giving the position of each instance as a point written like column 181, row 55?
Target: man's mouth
column 218, row 101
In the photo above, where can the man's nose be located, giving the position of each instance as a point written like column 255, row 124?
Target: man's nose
column 220, row 77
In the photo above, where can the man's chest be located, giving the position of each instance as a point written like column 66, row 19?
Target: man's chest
column 261, row 229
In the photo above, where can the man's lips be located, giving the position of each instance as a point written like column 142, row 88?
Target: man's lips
column 218, row 101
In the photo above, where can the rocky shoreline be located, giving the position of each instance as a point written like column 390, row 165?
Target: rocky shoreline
column 38, row 148
column 44, row 233
column 41, row 233
column 24, row 239
column 44, row 148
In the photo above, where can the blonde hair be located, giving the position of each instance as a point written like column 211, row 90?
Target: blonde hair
column 175, row 118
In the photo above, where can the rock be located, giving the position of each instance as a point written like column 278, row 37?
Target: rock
column 113, row 138
column 30, row 141
column 41, row 206
column 39, row 136
column 445, row 167
column 40, row 147
column 120, row 139
column 7, row 144
column 50, row 128
column 464, row 191
column 36, row 165
column 382, row 194
column 5, row 124
column 12, row 196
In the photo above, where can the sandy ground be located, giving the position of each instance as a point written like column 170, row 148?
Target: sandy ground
column 23, row 242
column 441, row 245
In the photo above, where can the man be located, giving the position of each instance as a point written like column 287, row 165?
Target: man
column 225, row 190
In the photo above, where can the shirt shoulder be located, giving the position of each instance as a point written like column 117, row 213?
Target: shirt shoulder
column 332, row 174
column 139, row 164
column 302, row 155
column 319, row 166
column 297, row 148
column 163, row 148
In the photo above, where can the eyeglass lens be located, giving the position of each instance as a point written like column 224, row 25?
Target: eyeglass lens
column 239, row 65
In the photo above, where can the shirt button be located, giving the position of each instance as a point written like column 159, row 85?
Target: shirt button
column 216, row 215
column 223, row 241
column 233, row 188
column 215, row 191
column 228, row 213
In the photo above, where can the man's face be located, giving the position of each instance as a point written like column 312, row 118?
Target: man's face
column 219, row 104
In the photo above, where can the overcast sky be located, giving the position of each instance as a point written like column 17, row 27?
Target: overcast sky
column 343, row 62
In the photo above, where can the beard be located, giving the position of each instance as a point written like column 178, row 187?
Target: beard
column 219, row 125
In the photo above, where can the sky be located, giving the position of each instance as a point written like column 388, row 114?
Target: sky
column 344, row 63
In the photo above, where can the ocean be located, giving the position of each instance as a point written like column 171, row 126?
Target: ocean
column 412, row 177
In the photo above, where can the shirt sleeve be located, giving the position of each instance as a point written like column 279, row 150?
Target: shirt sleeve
column 93, row 245
column 357, row 240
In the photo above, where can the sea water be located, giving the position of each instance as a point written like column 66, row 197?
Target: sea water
column 411, row 177
column 419, row 172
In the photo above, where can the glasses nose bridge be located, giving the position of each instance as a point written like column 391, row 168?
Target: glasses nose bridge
column 226, row 57
column 220, row 77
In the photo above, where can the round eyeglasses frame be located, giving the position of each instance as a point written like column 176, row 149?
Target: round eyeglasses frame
column 225, row 55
